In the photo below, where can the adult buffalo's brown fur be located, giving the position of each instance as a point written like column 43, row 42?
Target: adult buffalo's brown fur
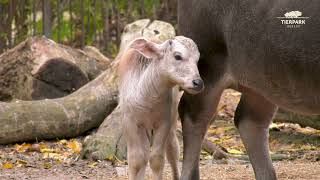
column 245, row 46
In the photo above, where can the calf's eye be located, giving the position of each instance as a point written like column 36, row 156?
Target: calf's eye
column 178, row 57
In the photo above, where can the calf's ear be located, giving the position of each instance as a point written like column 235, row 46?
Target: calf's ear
column 147, row 48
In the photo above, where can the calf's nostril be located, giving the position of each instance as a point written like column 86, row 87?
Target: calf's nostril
column 197, row 83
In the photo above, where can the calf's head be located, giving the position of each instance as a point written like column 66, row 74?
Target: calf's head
column 176, row 60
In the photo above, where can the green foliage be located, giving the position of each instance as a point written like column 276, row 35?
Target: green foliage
column 4, row 1
column 3, row 34
column 85, row 13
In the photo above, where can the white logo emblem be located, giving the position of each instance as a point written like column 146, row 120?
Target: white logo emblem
column 293, row 19
column 293, row 14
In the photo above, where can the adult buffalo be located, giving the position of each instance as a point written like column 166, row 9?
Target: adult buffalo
column 267, row 49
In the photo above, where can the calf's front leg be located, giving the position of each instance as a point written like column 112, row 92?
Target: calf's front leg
column 158, row 150
column 137, row 149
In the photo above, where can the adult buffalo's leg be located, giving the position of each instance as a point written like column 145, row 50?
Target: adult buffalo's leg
column 253, row 116
column 196, row 112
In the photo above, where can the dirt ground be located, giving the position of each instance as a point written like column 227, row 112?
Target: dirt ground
column 298, row 149
column 298, row 170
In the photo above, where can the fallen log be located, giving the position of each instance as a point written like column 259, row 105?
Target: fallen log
column 65, row 117
column 274, row 157
column 39, row 68
column 214, row 150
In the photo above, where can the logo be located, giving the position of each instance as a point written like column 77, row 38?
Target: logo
column 293, row 19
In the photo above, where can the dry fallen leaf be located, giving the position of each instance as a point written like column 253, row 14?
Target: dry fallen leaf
column 54, row 156
column 23, row 162
column 47, row 165
column 23, row 147
column 7, row 165
column 75, row 146
column 235, row 93
column 92, row 165
column 234, row 151
column 42, row 146
column 63, row 142
column 212, row 131
column 47, row 150
column 110, row 158
column 221, row 107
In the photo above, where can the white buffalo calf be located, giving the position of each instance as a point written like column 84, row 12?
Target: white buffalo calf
column 148, row 71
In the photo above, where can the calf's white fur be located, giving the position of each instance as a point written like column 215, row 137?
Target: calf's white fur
column 148, row 72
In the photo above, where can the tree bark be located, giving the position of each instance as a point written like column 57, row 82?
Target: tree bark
column 142, row 9
column 105, row 10
column 34, row 21
column 39, row 68
column 302, row 120
column 154, row 9
column 3, row 27
column 214, row 150
column 65, row 117
column 12, row 9
column 83, row 33
column 59, row 20
column 47, row 18
column 129, row 10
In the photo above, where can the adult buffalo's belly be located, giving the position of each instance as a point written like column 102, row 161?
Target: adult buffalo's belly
column 278, row 62
column 288, row 78
column 293, row 85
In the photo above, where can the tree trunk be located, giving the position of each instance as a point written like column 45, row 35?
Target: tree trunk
column 12, row 9
column 154, row 9
column 70, row 22
column 116, row 13
column 142, row 9
column 47, row 18
column 106, row 24
column 65, row 117
column 34, row 25
column 21, row 22
column 129, row 10
column 39, row 68
column 3, row 26
column 59, row 20
column 94, row 4
column 302, row 120
column 83, row 33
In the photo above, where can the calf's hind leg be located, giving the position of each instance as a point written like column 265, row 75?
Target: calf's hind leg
column 253, row 116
